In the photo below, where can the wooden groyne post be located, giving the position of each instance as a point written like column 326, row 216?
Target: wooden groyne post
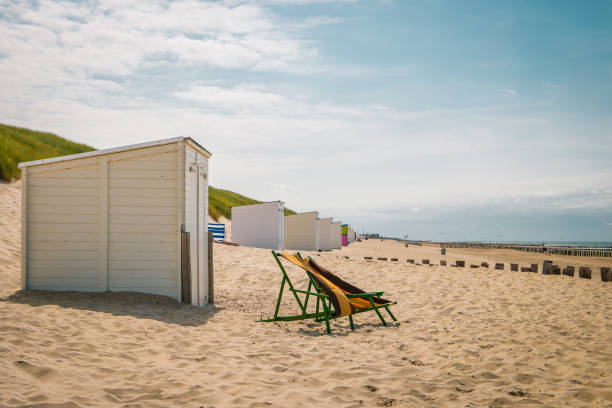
column 584, row 272
column 606, row 274
column 537, row 248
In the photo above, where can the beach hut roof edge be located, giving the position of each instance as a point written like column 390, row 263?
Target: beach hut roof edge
column 111, row 150
column 307, row 212
column 263, row 202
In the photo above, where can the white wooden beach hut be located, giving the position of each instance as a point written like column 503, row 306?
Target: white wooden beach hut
column 113, row 219
column 259, row 225
column 351, row 235
column 302, row 231
column 325, row 234
column 337, row 234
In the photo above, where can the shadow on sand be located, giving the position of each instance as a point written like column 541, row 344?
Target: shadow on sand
column 139, row 305
column 343, row 330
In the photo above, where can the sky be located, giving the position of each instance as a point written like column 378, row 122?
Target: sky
column 440, row 120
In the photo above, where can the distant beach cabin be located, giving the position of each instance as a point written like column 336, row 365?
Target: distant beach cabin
column 350, row 235
column 325, row 234
column 344, row 234
column 113, row 219
column 218, row 231
column 302, row 231
column 337, row 235
column 259, row 225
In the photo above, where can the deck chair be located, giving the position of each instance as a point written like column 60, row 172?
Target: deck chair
column 335, row 298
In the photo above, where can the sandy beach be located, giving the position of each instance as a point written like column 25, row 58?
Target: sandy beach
column 464, row 337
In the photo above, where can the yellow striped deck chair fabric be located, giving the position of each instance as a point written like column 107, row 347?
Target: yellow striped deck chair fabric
column 334, row 287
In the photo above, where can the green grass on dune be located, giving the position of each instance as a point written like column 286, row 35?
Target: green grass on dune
column 220, row 203
column 289, row 212
column 21, row 145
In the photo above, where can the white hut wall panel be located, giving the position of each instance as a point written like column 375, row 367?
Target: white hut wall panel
column 259, row 225
column 142, row 222
column 62, row 230
column 301, row 232
column 196, row 222
column 325, row 234
column 337, row 235
column 316, row 234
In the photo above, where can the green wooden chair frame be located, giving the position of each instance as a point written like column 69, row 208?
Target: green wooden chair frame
column 323, row 302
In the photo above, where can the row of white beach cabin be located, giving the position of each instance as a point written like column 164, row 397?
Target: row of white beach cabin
column 259, row 225
column 117, row 219
column 351, row 236
column 265, row 226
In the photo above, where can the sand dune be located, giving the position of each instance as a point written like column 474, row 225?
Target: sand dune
column 10, row 236
column 464, row 338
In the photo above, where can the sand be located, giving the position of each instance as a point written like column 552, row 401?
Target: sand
column 463, row 338
column 10, row 237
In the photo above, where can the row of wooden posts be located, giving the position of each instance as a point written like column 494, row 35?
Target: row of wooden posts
column 547, row 267
column 553, row 250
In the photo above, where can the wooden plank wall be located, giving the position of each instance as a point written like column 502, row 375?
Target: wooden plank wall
column 63, row 213
column 143, row 233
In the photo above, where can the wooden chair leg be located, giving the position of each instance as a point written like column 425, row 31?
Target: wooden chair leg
column 280, row 296
column 327, row 314
column 378, row 313
column 391, row 314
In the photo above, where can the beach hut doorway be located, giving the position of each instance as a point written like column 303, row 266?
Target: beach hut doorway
column 195, row 201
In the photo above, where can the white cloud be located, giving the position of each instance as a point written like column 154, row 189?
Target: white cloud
column 255, row 98
column 608, row 223
column 298, row 2
column 243, row 96
column 509, row 91
column 321, row 20
column 282, row 190
column 109, row 38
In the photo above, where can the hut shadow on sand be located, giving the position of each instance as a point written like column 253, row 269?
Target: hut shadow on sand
column 138, row 305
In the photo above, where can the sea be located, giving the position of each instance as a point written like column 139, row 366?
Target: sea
column 571, row 244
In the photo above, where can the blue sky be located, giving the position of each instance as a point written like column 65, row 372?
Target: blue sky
column 432, row 119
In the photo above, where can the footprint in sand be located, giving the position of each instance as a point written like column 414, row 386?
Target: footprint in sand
column 585, row 395
column 385, row 402
column 524, row 378
column 39, row 373
column 488, row 375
